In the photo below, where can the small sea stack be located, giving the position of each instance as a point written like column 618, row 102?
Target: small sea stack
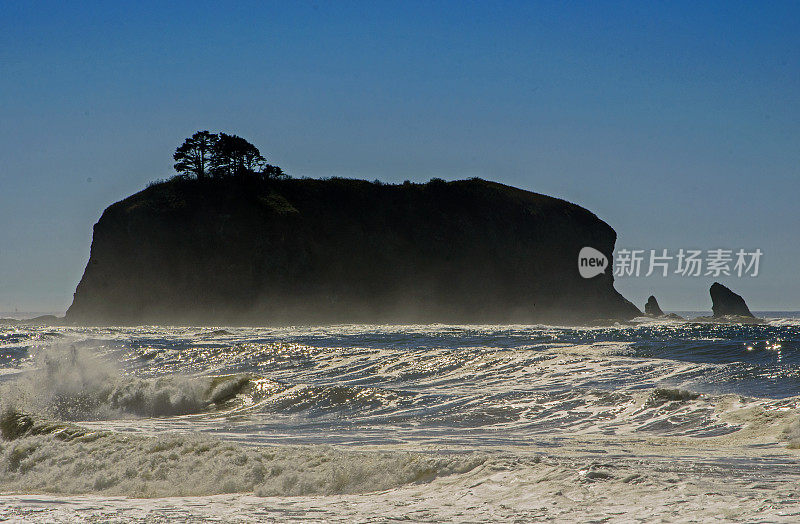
column 725, row 302
column 652, row 309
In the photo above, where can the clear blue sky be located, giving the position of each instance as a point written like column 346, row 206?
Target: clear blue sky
column 677, row 123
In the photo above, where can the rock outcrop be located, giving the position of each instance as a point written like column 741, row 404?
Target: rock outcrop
column 652, row 309
column 725, row 302
column 294, row 251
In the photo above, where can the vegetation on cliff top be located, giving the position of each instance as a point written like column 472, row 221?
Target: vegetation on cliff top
column 210, row 155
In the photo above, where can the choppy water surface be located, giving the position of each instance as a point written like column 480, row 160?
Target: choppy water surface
column 413, row 403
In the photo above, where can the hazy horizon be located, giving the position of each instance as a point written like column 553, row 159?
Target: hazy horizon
column 676, row 124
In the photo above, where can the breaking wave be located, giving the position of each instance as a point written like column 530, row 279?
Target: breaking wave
column 194, row 411
column 57, row 458
column 42, row 452
column 71, row 383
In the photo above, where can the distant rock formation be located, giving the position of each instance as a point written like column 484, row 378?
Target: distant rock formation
column 651, row 309
column 725, row 302
column 278, row 252
column 43, row 320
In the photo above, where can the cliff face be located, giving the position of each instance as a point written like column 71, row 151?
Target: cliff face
column 725, row 302
column 319, row 251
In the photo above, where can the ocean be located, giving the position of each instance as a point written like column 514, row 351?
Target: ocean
column 659, row 420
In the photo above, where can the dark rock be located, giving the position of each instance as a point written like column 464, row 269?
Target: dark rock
column 651, row 309
column 725, row 302
column 241, row 251
column 43, row 320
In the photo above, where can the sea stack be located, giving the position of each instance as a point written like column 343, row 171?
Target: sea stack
column 652, row 309
column 284, row 252
column 725, row 302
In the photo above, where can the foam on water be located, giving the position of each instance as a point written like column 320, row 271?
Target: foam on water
column 354, row 409
column 183, row 465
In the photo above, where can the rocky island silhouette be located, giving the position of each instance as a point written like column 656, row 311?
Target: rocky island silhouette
column 234, row 240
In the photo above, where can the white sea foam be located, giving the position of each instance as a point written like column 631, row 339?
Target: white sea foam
column 182, row 465
column 517, row 423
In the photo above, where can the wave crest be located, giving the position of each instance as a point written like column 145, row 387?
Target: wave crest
column 74, row 384
column 57, row 458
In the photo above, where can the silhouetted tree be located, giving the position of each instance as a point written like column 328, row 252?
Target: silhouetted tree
column 235, row 156
column 272, row 172
column 195, row 155
column 221, row 156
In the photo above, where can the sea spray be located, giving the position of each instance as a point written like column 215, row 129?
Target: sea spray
column 40, row 452
column 624, row 419
column 71, row 383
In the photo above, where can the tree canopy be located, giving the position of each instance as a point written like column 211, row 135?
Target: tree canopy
column 195, row 155
column 211, row 155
